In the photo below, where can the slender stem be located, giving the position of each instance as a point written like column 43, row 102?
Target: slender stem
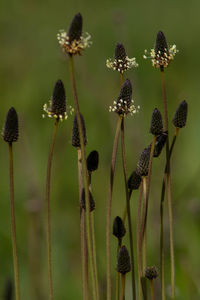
column 13, row 225
column 48, row 219
column 168, row 186
column 85, row 179
column 152, row 290
column 94, row 248
column 139, row 256
column 117, row 273
column 144, row 181
column 109, row 203
column 171, row 236
column 123, row 281
column 161, row 219
column 121, row 79
column 128, row 210
column 84, row 252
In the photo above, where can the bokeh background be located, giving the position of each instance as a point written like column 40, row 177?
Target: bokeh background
column 30, row 64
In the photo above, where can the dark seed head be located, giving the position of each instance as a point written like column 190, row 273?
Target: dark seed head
column 91, row 200
column 156, row 122
column 10, row 130
column 120, row 52
column 160, row 143
column 134, row 181
column 124, row 99
column 93, row 161
column 123, row 262
column 75, row 133
column 118, row 228
column 180, row 116
column 143, row 163
column 161, row 44
column 8, row 292
column 58, row 106
column 75, row 29
column 151, row 273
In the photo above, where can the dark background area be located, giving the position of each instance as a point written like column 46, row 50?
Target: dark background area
column 30, row 64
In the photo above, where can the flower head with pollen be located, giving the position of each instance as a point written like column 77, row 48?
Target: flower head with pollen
column 57, row 105
column 124, row 103
column 121, row 62
column 162, row 54
column 73, row 41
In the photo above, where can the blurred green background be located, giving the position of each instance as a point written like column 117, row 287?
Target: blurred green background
column 30, row 64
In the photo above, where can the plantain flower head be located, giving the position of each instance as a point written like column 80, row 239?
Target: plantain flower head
column 74, row 41
column 162, row 54
column 121, row 62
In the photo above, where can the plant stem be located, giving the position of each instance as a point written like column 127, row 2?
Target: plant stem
column 139, row 255
column 161, row 218
column 128, row 210
column 13, row 225
column 152, row 290
column 169, row 188
column 117, row 273
column 94, row 250
column 85, row 179
column 84, row 252
column 123, row 280
column 109, row 203
column 144, row 182
column 48, row 218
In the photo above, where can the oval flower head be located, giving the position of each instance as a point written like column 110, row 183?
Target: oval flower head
column 73, row 41
column 124, row 103
column 162, row 54
column 121, row 62
column 57, row 105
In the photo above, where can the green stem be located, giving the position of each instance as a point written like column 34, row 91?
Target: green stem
column 117, row 273
column 48, row 219
column 85, row 179
column 139, row 256
column 94, row 250
column 109, row 203
column 128, row 210
column 168, row 186
column 123, row 281
column 13, row 226
column 84, row 252
column 152, row 290
column 144, row 182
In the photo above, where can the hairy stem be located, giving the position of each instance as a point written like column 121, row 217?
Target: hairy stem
column 48, row 218
column 109, row 204
column 85, row 179
column 128, row 210
column 13, row 225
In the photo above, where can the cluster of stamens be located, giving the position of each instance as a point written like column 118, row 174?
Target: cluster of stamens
column 122, row 107
column 161, row 58
column 75, row 46
column 51, row 114
column 121, row 65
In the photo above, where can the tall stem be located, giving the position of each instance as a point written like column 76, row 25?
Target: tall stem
column 139, row 255
column 94, row 250
column 13, row 226
column 85, row 179
column 128, row 210
column 84, row 252
column 141, row 235
column 48, row 219
column 109, row 203
column 169, row 187
column 117, row 273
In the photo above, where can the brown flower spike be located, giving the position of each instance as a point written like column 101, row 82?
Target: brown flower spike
column 10, row 129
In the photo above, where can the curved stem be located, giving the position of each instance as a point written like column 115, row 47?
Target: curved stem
column 109, row 203
column 48, row 219
column 85, row 179
column 13, row 225
column 128, row 210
